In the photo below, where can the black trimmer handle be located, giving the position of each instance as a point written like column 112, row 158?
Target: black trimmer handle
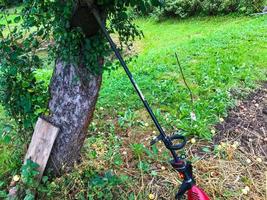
column 173, row 142
column 177, row 145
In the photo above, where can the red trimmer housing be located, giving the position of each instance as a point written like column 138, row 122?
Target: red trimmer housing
column 188, row 185
column 196, row 193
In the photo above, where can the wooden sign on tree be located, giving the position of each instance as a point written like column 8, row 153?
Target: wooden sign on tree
column 41, row 144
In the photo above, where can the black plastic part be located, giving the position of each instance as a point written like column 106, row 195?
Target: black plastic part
column 179, row 145
column 184, row 168
column 155, row 140
column 173, row 142
column 182, row 190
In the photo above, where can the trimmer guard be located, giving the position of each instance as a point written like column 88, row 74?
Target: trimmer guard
column 196, row 193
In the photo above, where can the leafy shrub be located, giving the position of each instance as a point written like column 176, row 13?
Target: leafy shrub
column 180, row 8
column 86, row 184
column 21, row 94
column 104, row 187
column 186, row 8
column 26, row 184
column 213, row 7
column 9, row 2
column 250, row 6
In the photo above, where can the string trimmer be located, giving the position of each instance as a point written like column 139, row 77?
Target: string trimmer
column 173, row 143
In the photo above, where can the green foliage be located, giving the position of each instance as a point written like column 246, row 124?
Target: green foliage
column 138, row 150
column 86, row 184
column 127, row 119
column 9, row 154
column 181, row 8
column 102, row 187
column 3, row 193
column 186, row 8
column 9, row 2
column 29, row 184
column 29, row 171
column 250, row 6
column 21, row 94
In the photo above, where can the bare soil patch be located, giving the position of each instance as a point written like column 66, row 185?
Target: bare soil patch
column 247, row 124
column 240, row 163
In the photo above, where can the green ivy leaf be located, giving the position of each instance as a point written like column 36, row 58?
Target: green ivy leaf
column 7, row 139
column 17, row 19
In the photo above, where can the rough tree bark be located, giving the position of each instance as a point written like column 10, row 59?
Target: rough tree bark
column 72, row 103
column 74, row 91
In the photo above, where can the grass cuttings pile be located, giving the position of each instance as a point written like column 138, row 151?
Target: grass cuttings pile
column 236, row 177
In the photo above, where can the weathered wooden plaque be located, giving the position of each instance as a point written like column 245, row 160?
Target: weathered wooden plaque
column 41, row 144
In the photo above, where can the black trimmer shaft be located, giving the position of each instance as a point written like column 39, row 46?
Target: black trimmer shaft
column 179, row 164
column 167, row 140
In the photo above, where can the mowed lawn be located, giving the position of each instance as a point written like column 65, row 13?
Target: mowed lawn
column 222, row 58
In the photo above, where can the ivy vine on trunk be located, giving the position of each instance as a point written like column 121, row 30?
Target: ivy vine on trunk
column 78, row 48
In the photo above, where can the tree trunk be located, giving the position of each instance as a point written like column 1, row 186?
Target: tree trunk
column 74, row 91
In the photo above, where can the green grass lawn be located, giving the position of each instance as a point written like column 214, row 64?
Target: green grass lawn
column 222, row 57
